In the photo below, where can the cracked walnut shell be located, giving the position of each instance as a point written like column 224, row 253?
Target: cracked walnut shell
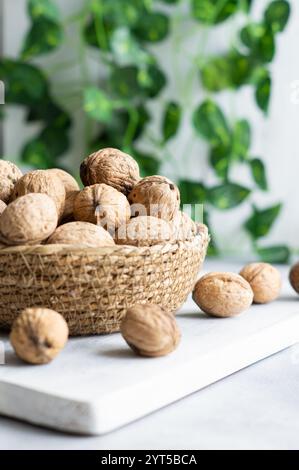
column 102, row 205
column 150, row 331
column 42, row 181
column 110, row 166
column 222, row 294
column 38, row 335
column 28, row 220
column 156, row 196
column 265, row 281
column 144, row 231
column 9, row 175
column 81, row 233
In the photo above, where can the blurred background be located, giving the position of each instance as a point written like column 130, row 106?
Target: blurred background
column 205, row 92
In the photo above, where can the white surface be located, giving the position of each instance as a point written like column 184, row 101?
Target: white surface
column 97, row 384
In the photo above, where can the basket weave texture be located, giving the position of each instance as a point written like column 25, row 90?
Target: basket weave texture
column 92, row 288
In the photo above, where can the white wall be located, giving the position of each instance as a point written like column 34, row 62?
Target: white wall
column 275, row 138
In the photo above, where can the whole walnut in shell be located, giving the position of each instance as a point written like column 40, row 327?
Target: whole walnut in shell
column 102, row 205
column 110, row 166
column 38, row 335
column 42, row 181
column 222, row 294
column 68, row 213
column 294, row 277
column 9, row 175
column 28, row 220
column 265, row 281
column 150, row 331
column 71, row 188
column 81, row 233
column 144, row 231
column 2, row 207
column 184, row 228
column 156, row 196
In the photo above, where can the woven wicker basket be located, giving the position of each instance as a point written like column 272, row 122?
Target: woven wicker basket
column 92, row 288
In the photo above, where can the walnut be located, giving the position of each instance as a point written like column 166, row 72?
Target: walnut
column 42, row 181
column 144, row 231
column 265, row 281
column 222, row 294
column 81, row 233
column 294, row 277
column 38, row 335
column 150, row 331
column 112, row 167
column 71, row 188
column 68, row 213
column 9, row 175
column 102, row 205
column 28, row 220
column 183, row 227
column 2, row 206
column 156, row 196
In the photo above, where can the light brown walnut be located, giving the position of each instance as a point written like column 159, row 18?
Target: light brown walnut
column 110, row 166
column 3, row 206
column 144, row 231
column 9, row 175
column 42, row 181
column 150, row 331
column 265, row 281
column 184, row 228
column 157, row 196
column 294, row 277
column 71, row 188
column 222, row 294
column 68, row 214
column 102, row 205
column 38, row 335
column 28, row 220
column 81, row 233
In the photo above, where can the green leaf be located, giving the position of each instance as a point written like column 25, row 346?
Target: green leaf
column 124, row 81
column 43, row 9
column 260, row 40
column 277, row 254
column 213, row 11
column 44, row 36
column 24, row 84
column 98, row 31
column 192, row 192
column 153, row 27
column 259, row 173
column 147, row 163
column 56, row 141
column 212, row 248
column 220, row 160
column 171, row 120
column 227, row 195
column 152, row 80
column 260, row 222
column 241, row 139
column 48, row 111
column 37, row 154
column 246, row 5
column 263, row 93
column 210, row 123
column 126, row 49
column 97, row 105
column 277, row 15
column 170, row 2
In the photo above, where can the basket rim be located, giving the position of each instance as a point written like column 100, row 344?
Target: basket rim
column 131, row 250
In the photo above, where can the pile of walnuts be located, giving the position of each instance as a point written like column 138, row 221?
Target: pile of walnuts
column 116, row 206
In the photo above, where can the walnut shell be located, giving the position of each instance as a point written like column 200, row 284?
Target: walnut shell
column 144, row 231
column 71, row 188
column 102, row 205
column 9, row 175
column 184, row 228
column 110, row 166
column 68, row 213
column 294, row 277
column 265, row 281
column 38, row 335
column 2, row 207
column 150, row 331
column 222, row 294
column 42, row 181
column 28, row 220
column 81, row 233
column 157, row 196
